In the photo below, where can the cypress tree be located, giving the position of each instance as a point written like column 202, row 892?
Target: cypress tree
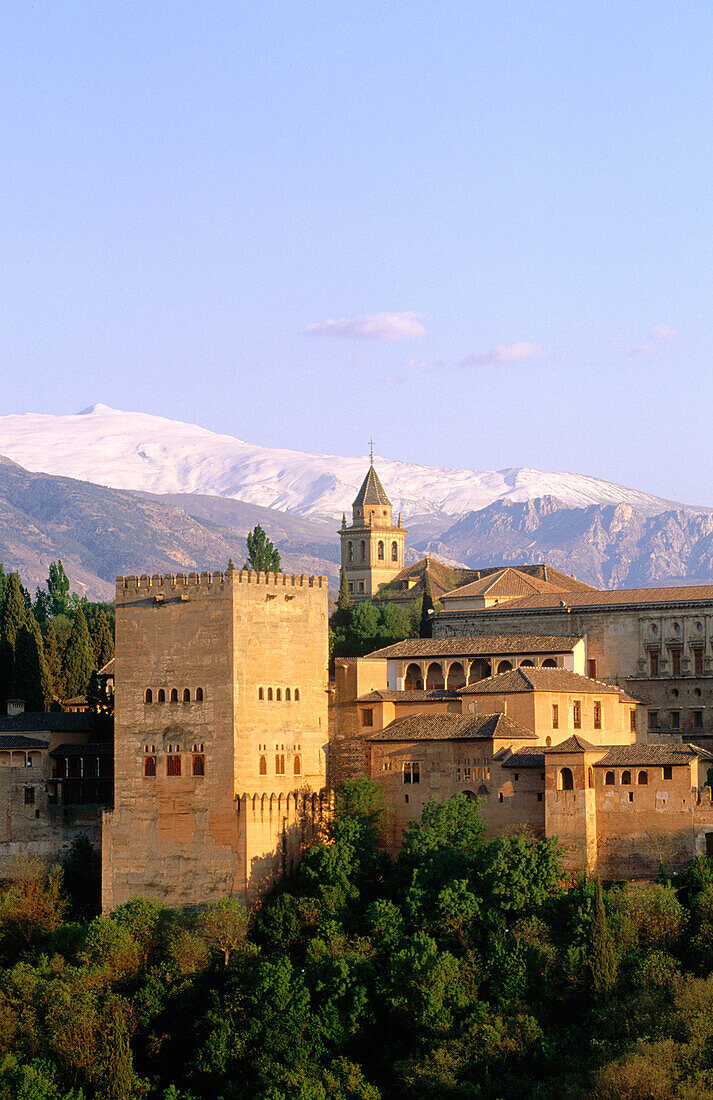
column 263, row 557
column 602, row 951
column 79, row 660
column 54, row 662
column 58, row 588
column 102, row 641
column 426, row 628
column 230, row 568
column 31, row 678
column 343, row 600
column 14, row 612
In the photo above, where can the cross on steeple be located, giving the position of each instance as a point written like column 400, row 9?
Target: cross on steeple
column 371, row 451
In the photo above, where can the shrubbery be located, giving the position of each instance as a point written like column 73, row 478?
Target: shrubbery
column 465, row 969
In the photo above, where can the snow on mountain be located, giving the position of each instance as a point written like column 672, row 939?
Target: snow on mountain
column 128, row 450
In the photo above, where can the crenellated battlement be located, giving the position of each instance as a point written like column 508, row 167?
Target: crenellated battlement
column 160, row 584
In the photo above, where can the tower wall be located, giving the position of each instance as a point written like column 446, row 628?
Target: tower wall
column 182, row 838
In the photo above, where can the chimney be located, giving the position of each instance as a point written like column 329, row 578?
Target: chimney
column 15, row 706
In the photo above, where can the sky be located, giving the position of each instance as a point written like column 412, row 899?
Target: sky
column 479, row 233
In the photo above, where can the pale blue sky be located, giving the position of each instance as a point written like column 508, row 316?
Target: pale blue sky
column 185, row 188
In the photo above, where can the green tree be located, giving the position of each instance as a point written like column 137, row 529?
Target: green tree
column 394, row 624
column 230, row 568
column 344, row 602
column 426, row 627
column 364, row 628
column 602, row 950
column 58, row 588
column 33, row 904
column 53, row 662
column 79, row 660
column 224, row 925
column 340, row 621
column 13, row 618
column 262, row 555
column 31, row 678
column 102, row 640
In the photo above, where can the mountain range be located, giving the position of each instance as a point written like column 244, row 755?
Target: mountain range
column 116, row 492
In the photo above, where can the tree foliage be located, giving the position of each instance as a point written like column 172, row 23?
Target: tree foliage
column 263, row 557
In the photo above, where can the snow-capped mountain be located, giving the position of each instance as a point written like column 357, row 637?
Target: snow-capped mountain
column 128, row 450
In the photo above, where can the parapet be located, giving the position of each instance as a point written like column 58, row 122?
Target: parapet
column 160, row 585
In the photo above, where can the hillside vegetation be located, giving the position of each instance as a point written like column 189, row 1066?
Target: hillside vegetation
column 466, row 969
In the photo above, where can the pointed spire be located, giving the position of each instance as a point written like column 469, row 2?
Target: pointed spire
column 344, row 519
column 372, row 491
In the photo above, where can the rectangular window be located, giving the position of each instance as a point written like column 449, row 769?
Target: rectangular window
column 555, row 716
column 632, row 720
column 279, row 763
column 367, row 717
column 597, row 715
column 361, row 586
column 150, row 766
column 457, row 776
column 675, row 719
column 592, row 668
column 539, row 796
column 698, row 719
column 198, row 764
column 466, row 775
column 698, row 662
column 577, row 715
column 667, row 771
column 653, row 719
column 676, row 662
column 29, row 796
column 173, row 765
column 653, row 662
column 412, row 772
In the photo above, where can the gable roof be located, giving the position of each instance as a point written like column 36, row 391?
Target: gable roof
column 525, row 756
column 539, row 679
column 486, row 645
column 12, row 741
column 507, row 583
column 372, row 491
column 575, row 743
column 641, row 754
column 414, row 695
column 452, row 727
column 619, row 597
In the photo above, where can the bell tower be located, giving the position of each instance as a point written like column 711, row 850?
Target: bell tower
column 373, row 546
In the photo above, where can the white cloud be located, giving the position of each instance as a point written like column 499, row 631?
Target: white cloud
column 407, row 370
column 519, row 352
column 659, row 335
column 372, row 326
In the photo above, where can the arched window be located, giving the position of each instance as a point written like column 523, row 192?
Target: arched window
column 434, row 677
column 199, row 695
column 362, row 550
column 148, row 696
column 297, row 695
column 504, row 666
column 186, row 695
column 549, row 662
column 298, row 765
column 548, row 742
column 394, row 551
column 278, row 695
column 527, row 664
column 269, row 695
column 288, row 695
column 609, row 779
column 173, row 765
column 413, row 681
column 161, row 695
column 565, row 780
column 350, row 551
column 456, row 675
column 643, row 779
column 263, row 765
column 380, row 551
column 150, row 766
column 174, row 695
column 198, row 764
column 626, row 779
column 261, row 693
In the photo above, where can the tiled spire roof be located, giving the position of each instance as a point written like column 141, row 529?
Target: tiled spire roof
column 372, row 491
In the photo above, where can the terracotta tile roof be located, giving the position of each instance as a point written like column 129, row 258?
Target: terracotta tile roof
column 526, row 757
column 453, row 727
column 575, row 743
column 539, row 679
column 12, row 741
column 372, row 491
column 508, row 583
column 486, row 645
column 413, row 696
column 621, row 756
column 615, row 598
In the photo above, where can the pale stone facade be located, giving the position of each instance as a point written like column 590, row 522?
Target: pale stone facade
column 220, row 733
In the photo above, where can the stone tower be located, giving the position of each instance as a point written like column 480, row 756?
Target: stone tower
column 220, row 734
column 373, row 547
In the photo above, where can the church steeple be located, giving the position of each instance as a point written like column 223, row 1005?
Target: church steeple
column 372, row 548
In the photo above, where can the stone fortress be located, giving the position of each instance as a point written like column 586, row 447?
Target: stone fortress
column 576, row 713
